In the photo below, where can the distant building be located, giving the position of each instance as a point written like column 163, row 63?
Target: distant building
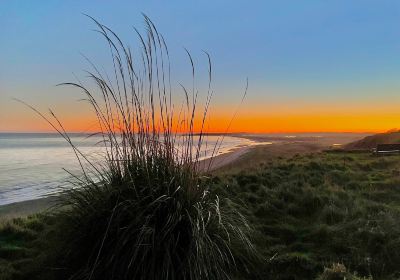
column 387, row 149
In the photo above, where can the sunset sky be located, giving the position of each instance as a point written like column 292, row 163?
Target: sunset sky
column 313, row 66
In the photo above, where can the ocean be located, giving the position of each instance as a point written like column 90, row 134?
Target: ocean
column 32, row 165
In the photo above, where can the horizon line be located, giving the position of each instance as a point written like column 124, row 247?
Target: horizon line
column 211, row 133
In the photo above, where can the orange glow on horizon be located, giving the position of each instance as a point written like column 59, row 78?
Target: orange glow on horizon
column 255, row 118
column 257, row 124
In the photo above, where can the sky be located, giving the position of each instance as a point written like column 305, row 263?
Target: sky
column 312, row 66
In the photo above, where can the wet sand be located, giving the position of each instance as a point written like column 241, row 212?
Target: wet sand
column 211, row 164
column 26, row 208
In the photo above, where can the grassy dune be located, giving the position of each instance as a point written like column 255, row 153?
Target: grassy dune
column 308, row 212
column 314, row 210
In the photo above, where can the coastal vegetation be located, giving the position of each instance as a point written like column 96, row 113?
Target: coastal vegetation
column 313, row 210
column 326, row 215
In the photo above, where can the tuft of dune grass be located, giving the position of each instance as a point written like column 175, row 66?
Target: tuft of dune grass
column 145, row 212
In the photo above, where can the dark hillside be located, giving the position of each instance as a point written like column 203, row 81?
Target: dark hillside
column 370, row 142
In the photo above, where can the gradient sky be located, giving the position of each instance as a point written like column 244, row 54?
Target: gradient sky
column 312, row 65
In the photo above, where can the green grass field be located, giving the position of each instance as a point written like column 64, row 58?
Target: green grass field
column 308, row 212
column 313, row 210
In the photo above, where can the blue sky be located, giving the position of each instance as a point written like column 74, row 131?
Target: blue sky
column 306, row 52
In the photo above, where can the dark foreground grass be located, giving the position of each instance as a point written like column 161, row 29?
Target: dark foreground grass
column 24, row 245
column 320, row 216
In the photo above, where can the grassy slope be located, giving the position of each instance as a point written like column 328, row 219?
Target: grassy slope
column 23, row 247
column 312, row 210
column 308, row 211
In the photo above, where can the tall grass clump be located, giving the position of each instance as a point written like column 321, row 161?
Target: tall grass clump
column 146, row 212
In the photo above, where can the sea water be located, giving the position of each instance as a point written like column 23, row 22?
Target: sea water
column 35, row 165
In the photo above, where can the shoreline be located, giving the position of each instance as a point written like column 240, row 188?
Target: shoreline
column 211, row 164
column 239, row 157
column 32, row 206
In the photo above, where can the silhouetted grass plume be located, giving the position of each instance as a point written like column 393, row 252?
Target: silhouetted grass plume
column 146, row 211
